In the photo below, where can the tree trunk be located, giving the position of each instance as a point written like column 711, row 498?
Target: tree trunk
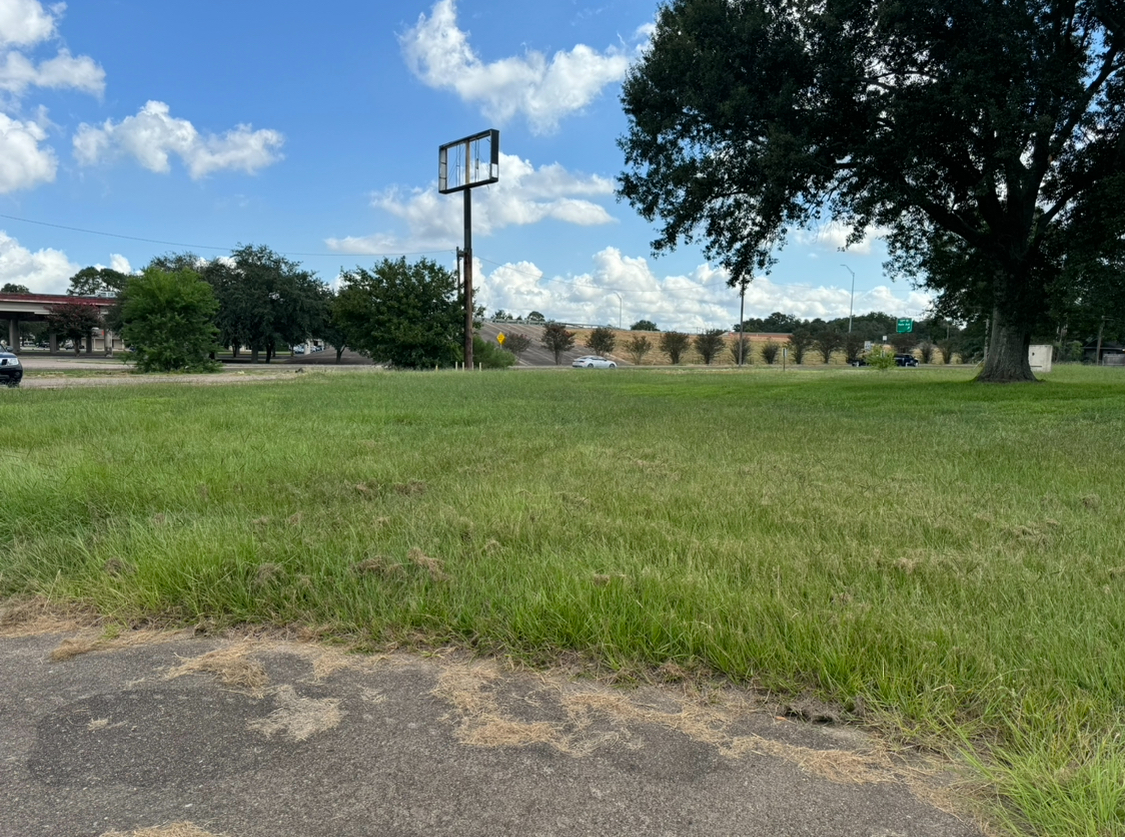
column 339, row 354
column 254, row 355
column 1007, row 359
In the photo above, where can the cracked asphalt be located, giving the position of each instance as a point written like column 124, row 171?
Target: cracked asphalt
column 140, row 732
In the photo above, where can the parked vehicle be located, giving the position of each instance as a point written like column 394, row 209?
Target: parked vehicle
column 905, row 360
column 11, row 371
column 593, row 362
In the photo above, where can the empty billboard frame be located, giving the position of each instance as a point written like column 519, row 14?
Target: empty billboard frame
column 472, row 161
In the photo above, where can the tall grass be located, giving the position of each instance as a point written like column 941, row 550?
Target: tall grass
column 943, row 555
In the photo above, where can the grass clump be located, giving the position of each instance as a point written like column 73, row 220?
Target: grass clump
column 913, row 547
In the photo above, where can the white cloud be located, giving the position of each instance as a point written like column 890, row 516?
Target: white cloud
column 24, row 23
column 543, row 90
column 23, row 163
column 626, row 289
column 524, row 195
column 17, row 73
column 153, row 134
column 834, row 236
column 120, row 263
column 46, row 271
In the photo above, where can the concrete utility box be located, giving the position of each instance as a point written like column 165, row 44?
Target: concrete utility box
column 1039, row 355
column 1114, row 359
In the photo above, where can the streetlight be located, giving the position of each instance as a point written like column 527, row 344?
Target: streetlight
column 851, row 306
column 620, row 304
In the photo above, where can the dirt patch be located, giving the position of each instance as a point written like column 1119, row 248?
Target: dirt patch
column 230, row 665
column 298, row 718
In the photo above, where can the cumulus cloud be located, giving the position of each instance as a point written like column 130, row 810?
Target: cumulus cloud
column 46, row 271
column 543, row 90
column 23, row 162
column 18, row 73
column 834, row 236
column 523, row 196
column 24, row 23
column 153, row 134
column 627, row 289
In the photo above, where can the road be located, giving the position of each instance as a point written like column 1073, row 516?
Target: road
column 105, row 732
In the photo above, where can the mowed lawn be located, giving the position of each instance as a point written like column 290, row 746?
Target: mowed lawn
column 943, row 559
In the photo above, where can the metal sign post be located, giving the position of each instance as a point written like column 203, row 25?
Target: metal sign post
column 474, row 162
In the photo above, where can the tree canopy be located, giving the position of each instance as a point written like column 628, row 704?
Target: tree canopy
column 92, row 280
column 265, row 300
column 404, row 314
column 984, row 137
column 74, row 320
column 558, row 339
column 167, row 317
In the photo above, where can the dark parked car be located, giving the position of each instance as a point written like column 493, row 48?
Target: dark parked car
column 11, row 371
column 905, row 360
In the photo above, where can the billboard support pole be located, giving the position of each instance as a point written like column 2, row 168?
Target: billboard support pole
column 468, row 252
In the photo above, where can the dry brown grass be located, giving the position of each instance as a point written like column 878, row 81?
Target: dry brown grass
column 89, row 643
column 711, row 716
column 38, row 616
column 431, row 564
column 181, row 828
column 230, row 665
column 298, row 718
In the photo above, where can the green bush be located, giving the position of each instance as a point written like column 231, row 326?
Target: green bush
column 491, row 356
column 881, row 358
column 167, row 319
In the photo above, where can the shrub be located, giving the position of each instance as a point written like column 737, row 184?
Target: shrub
column 638, row 347
column 491, row 356
column 557, row 339
column 827, row 342
column 945, row 350
column 516, row 343
column 708, row 345
column 769, row 351
column 674, row 344
column 601, row 340
column 168, row 320
column 741, row 351
column 881, row 358
column 853, row 346
column 799, row 342
column 926, row 351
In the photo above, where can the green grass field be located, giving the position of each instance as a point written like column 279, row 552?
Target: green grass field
column 946, row 558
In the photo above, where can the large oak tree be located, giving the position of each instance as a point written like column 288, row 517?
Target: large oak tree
column 985, row 136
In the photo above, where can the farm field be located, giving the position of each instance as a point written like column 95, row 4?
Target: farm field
column 942, row 560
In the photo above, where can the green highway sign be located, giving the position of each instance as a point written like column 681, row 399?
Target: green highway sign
column 905, row 325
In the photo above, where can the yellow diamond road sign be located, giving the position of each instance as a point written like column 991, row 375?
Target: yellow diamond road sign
column 500, row 338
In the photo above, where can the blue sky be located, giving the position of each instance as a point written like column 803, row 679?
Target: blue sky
column 314, row 130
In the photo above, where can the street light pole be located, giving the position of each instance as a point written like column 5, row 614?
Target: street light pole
column 851, row 305
column 620, row 305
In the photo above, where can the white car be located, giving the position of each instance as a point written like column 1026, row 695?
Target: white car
column 593, row 362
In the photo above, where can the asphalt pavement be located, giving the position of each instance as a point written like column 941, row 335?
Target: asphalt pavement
column 105, row 733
